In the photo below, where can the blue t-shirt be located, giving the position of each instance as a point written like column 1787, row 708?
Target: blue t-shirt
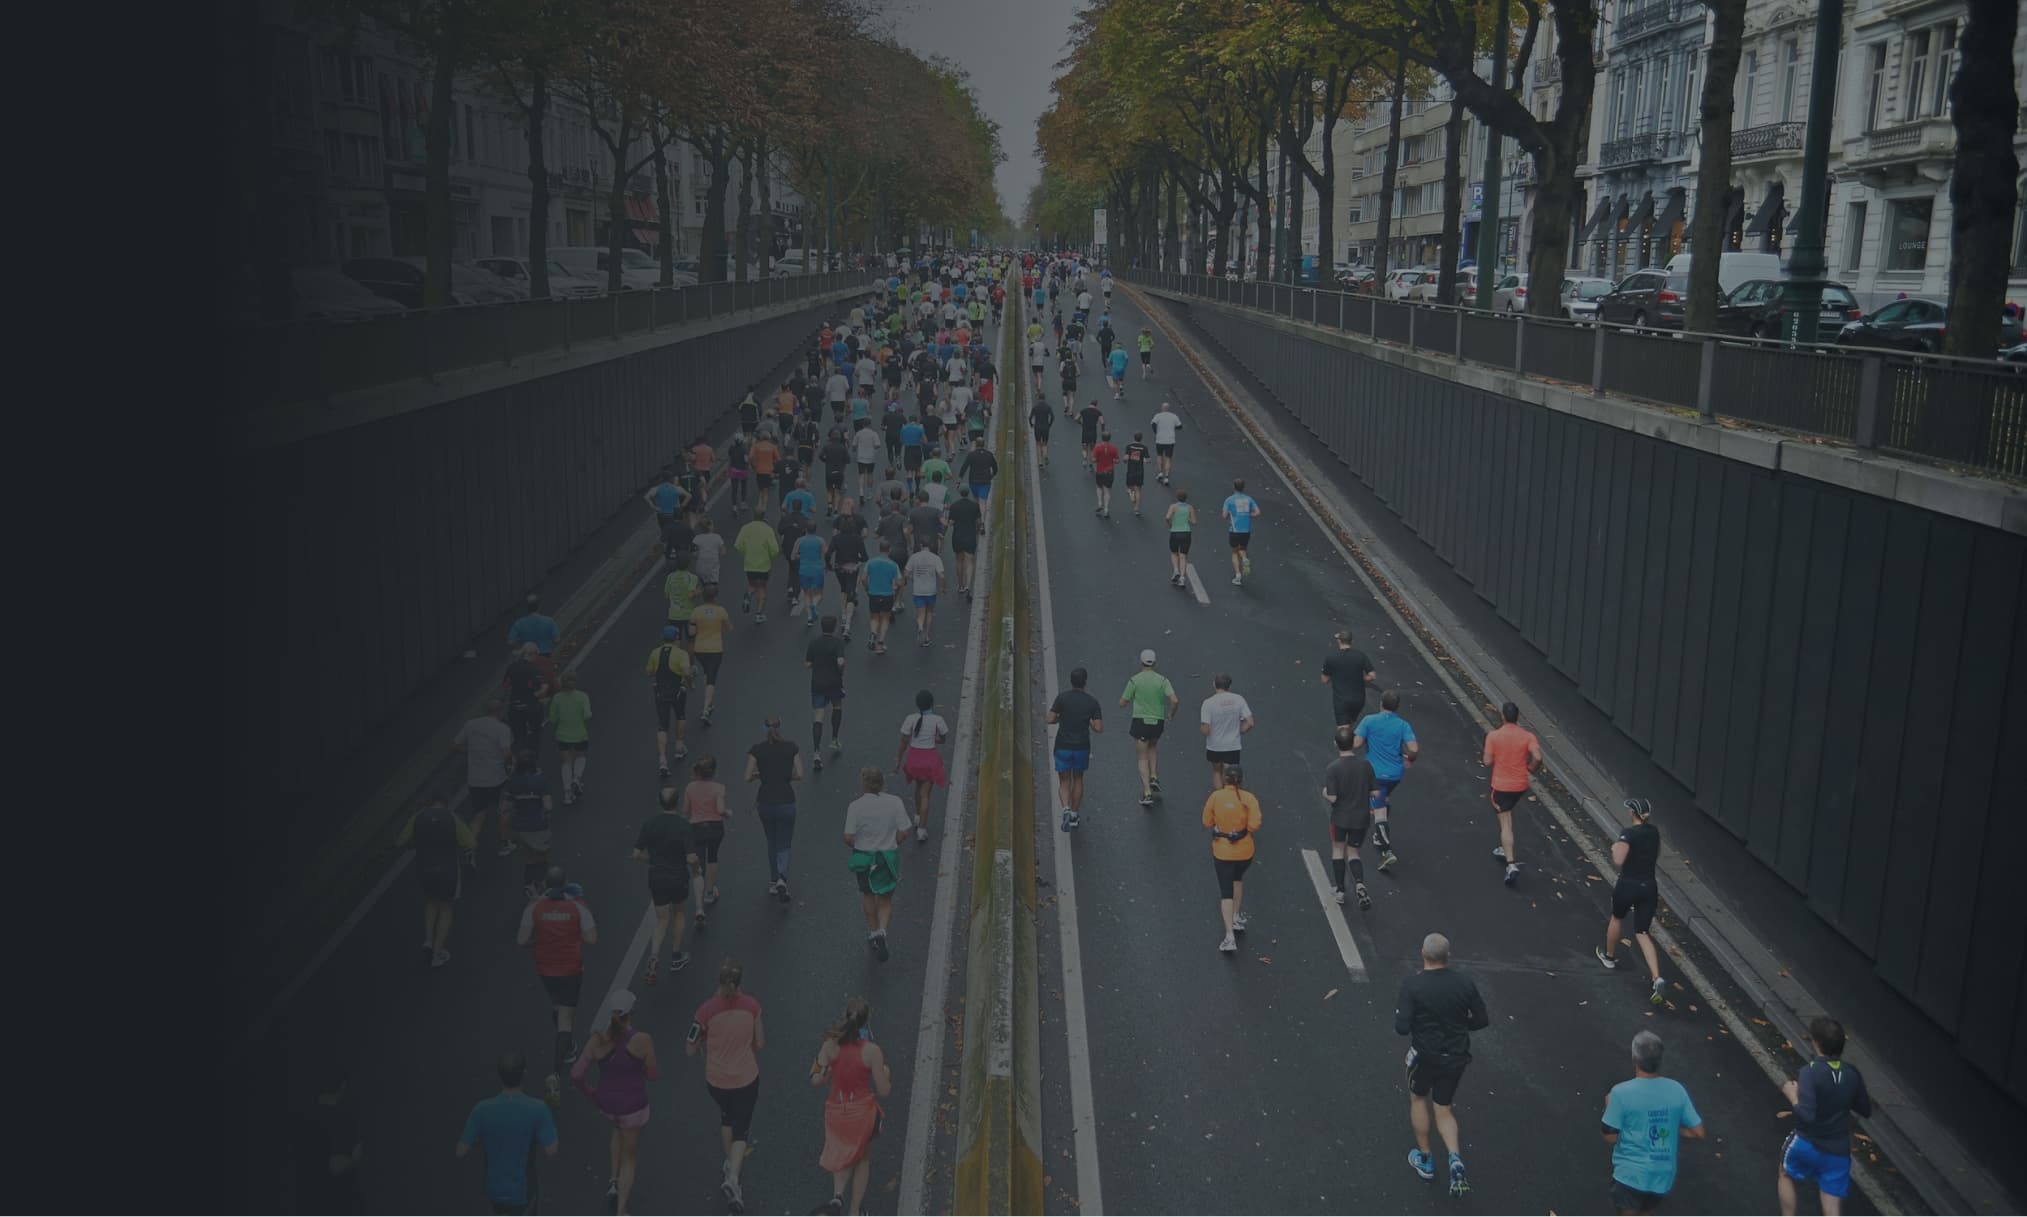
column 1119, row 369
column 509, row 1125
column 534, row 628
column 1241, row 506
column 861, row 408
column 1041, row 297
column 960, row 291
column 799, row 498
column 809, row 554
column 1385, row 735
column 945, row 351
column 666, row 497
column 882, row 574
column 912, row 435
column 841, row 352
column 1647, row 1113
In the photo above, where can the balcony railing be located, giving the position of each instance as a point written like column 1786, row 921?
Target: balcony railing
column 1639, row 149
column 1643, row 20
column 1766, row 139
column 1547, row 70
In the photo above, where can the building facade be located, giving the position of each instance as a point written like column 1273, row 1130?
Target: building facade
column 1415, row 231
column 1643, row 171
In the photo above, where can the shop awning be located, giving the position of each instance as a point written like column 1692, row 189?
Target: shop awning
column 1645, row 212
column 647, row 234
column 1597, row 222
column 1769, row 211
column 1678, row 206
column 640, row 208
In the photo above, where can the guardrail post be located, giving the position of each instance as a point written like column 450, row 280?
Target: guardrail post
column 1459, row 315
column 1706, row 376
column 614, row 298
column 427, row 329
column 1871, row 418
column 1412, row 310
column 1519, row 342
column 1340, row 312
column 1598, row 358
column 654, row 302
column 565, row 306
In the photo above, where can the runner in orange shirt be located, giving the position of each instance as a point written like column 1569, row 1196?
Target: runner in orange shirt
column 1513, row 753
column 1233, row 816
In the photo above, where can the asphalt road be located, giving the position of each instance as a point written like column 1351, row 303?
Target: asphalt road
column 422, row 1043
column 1271, row 1080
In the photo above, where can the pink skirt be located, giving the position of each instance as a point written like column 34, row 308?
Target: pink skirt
column 924, row 765
column 629, row 1119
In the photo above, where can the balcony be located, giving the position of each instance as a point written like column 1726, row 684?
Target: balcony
column 1903, row 143
column 1647, row 20
column 1768, row 139
column 1644, row 148
column 1547, row 70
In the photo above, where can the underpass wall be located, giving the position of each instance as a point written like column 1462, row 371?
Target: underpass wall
column 1838, row 678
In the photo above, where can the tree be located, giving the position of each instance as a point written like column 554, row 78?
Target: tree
column 526, row 42
column 1453, row 207
column 1984, row 187
column 1713, row 173
column 1389, row 175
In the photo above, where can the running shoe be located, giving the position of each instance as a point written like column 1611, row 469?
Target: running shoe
column 682, row 751
column 1423, row 1164
column 1459, row 1185
column 1364, row 897
column 577, row 788
column 733, row 1199
column 1229, row 945
column 1337, row 894
column 746, row 604
column 1069, row 819
column 1245, row 564
column 1603, row 958
column 872, row 644
column 441, row 958
column 1387, row 860
column 1238, row 923
column 1146, row 799
column 703, row 719
column 1237, row 580
column 921, row 835
column 760, row 619
column 783, row 896
column 1654, row 999
column 506, row 849
column 1154, row 784
column 880, row 947
column 1499, row 852
column 679, row 960
column 552, row 1090
column 1512, row 873
column 663, row 771
column 837, row 746
column 702, row 919
column 612, row 1189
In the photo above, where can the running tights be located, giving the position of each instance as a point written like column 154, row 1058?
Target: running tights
column 777, row 820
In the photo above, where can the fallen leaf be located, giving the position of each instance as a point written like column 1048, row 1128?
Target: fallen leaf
column 1329, row 995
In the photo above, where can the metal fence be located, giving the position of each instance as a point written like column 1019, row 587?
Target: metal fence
column 1965, row 412
column 276, row 364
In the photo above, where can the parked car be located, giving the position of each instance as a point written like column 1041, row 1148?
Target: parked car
column 561, row 281
column 1467, row 286
column 1733, row 268
column 1401, row 283
column 1646, row 298
column 401, row 280
column 1509, row 295
column 638, row 270
column 2017, row 353
column 1355, row 279
column 1915, row 325
column 1753, row 309
column 1580, row 296
column 324, row 293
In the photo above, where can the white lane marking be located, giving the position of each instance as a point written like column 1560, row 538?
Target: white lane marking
column 929, row 1030
column 1353, row 961
column 1083, row 1104
column 1196, row 585
column 635, row 952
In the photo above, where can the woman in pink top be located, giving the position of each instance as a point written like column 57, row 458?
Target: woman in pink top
column 626, row 1064
column 704, row 802
column 856, row 1071
column 727, row 1030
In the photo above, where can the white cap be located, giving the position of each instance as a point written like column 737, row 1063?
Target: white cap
column 622, row 1002
column 1147, row 658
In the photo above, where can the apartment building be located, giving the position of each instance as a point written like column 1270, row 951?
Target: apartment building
column 1643, row 174
column 1416, row 230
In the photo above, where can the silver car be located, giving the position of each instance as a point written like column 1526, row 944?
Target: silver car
column 1580, row 296
column 561, row 281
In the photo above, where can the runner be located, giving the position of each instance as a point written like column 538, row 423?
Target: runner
column 1146, row 352
column 847, row 555
column 856, row 1070
column 920, row 758
column 1823, row 1095
column 966, row 518
column 1066, row 372
column 558, row 925
column 875, row 825
column 867, row 443
column 704, row 807
column 1437, row 1010
column 669, row 848
column 1115, row 373
column 626, row 1064
column 765, row 458
column 680, row 588
column 1153, row 702
column 1389, row 743
column 488, row 746
column 825, row 659
column 1075, row 715
column 914, row 439
column 666, row 498
column 1635, row 853
column 570, row 718
column 738, row 466
column 701, row 456
column 529, row 804
column 709, row 623
column 1513, row 752
column 879, row 577
column 1646, row 1119
column 728, row 1031
column 1240, row 510
column 508, row 1127
column 1104, row 463
column 1040, row 419
column 528, row 684
column 441, row 841
column 1181, row 520
column 1106, row 337
column 810, row 553
column 925, row 581
column 1166, row 422
column 1351, row 789
column 533, row 626
column 758, row 547
column 1232, row 814
column 1136, row 470
column 979, row 467
column 1090, row 423
column 775, row 763
column 1224, row 719
column 1347, row 671
column 709, row 547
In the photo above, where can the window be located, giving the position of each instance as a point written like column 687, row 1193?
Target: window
column 1638, row 116
column 1944, row 44
column 471, row 143
column 1928, row 70
column 1689, row 118
column 1749, row 83
column 1854, row 236
column 1907, row 228
column 1617, row 124
column 1791, row 76
column 1875, row 86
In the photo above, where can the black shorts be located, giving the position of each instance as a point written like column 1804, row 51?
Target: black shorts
column 1164, row 450
column 911, row 459
column 1104, row 479
column 440, row 884
column 564, row 990
column 583, row 745
column 671, row 709
column 708, row 838
column 1221, row 758
column 1146, row 358
column 735, row 1107
column 848, row 584
column 1635, row 897
column 865, row 878
column 835, row 478
column 961, row 544
column 710, row 662
column 764, row 481
column 1633, row 1200
column 1239, row 540
column 880, row 604
column 1435, row 1080
column 668, row 885
column 1230, row 874
column 1353, row 833
column 1143, row 730
column 756, row 579
column 1087, row 438
column 1507, row 800
column 865, row 469
column 1347, row 713
column 1178, row 542
column 483, row 799
column 1042, row 434
column 1136, row 473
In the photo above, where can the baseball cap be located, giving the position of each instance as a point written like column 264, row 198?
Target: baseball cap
column 1147, row 658
column 669, row 633
column 622, row 1002
column 1640, row 808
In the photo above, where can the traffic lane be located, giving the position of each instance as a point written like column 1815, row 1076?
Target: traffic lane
column 1583, row 1024
column 375, row 1005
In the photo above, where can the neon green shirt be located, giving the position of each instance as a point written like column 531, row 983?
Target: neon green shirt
column 1146, row 342
column 1149, row 692
column 570, row 714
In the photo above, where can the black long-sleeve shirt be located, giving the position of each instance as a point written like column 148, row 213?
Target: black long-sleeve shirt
column 1437, row 1010
column 1826, row 1093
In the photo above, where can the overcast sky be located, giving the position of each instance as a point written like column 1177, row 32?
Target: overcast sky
column 1010, row 48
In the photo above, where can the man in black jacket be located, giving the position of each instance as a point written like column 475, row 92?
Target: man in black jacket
column 1437, row 1010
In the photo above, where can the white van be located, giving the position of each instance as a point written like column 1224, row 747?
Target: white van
column 1734, row 268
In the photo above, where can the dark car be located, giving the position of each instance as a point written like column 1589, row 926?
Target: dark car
column 400, row 280
column 1646, row 298
column 1917, row 325
column 1753, row 309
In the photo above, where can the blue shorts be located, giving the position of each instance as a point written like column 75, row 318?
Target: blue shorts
column 1386, row 791
column 925, row 602
column 819, row 698
column 1802, row 1162
column 981, row 491
column 812, row 581
column 1072, row 760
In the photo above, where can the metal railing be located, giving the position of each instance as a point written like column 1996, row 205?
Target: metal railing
column 1766, row 138
column 1966, row 412
column 297, row 361
column 1637, row 149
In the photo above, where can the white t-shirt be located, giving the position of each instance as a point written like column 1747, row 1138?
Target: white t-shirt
column 484, row 739
column 924, row 730
column 1166, row 424
column 868, row 370
column 1038, row 354
column 925, row 572
column 866, row 446
column 875, row 822
column 1223, row 712
column 959, row 369
column 1084, row 300
column 960, row 400
column 837, row 388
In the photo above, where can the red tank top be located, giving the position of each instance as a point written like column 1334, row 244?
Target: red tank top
column 559, row 937
column 850, row 1079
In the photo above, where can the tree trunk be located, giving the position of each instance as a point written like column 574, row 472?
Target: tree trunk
column 1453, row 206
column 436, row 184
column 743, row 231
column 1984, row 187
column 615, row 203
column 1228, row 209
column 1556, row 170
column 1326, row 205
column 1713, row 174
column 535, row 112
column 1389, row 175
column 711, row 249
column 1263, row 205
column 764, row 230
column 665, row 243
column 1171, row 245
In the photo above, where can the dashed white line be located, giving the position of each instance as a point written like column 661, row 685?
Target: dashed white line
column 1353, row 961
column 1196, row 585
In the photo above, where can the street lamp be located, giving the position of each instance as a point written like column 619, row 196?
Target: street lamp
column 1802, row 294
